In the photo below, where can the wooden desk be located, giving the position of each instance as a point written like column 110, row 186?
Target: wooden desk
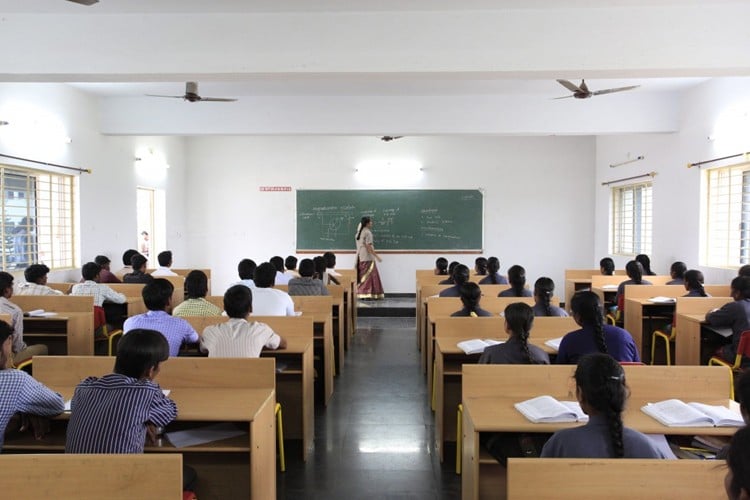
column 238, row 390
column 580, row 279
column 319, row 308
column 133, row 304
column 348, row 279
column 490, row 391
column 61, row 287
column 690, row 314
column 71, row 331
column 114, row 477
column 576, row 478
column 295, row 383
column 449, row 359
column 606, row 286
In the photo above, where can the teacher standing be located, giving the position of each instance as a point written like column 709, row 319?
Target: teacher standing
column 369, row 285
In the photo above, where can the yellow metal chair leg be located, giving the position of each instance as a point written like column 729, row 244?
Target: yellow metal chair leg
column 459, row 438
column 280, row 438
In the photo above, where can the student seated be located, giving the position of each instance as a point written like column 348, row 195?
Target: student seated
column 333, row 275
column 21, row 351
column 306, row 284
column 20, row 392
column 120, row 412
column 471, row 294
column 278, row 264
column 269, row 301
column 493, row 273
column 517, row 281
column 744, row 270
column 742, row 394
column 544, row 289
column 735, row 314
column 694, row 284
column 594, row 335
column 91, row 273
column 449, row 279
column 644, row 261
column 246, row 270
column 36, row 282
column 737, row 481
column 238, row 337
column 127, row 262
column 677, row 272
column 519, row 320
column 634, row 270
column 139, row 271
column 460, row 276
column 105, row 275
column 480, row 266
column 195, row 303
column 607, row 266
column 165, row 262
column 290, row 266
column 602, row 393
column 441, row 266
column 157, row 297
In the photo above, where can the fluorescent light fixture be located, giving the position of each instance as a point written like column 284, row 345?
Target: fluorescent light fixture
column 394, row 172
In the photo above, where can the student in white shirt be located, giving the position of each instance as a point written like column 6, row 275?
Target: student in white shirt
column 36, row 282
column 165, row 262
column 269, row 301
column 290, row 263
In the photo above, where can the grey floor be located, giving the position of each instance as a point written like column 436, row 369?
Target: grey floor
column 374, row 440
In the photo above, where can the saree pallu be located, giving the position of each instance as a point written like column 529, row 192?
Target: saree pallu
column 369, row 285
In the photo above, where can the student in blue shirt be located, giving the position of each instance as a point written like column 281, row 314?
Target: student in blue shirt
column 677, row 272
column 451, row 268
column 735, row 314
column 471, row 294
column 645, row 261
column 634, row 270
column 493, row 273
column 517, row 280
column 694, row 284
column 460, row 276
column 441, row 266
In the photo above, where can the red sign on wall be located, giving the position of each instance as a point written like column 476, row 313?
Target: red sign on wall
column 276, row 188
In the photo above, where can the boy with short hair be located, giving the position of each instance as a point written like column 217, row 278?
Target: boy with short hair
column 268, row 301
column 105, row 274
column 165, row 262
column 139, row 271
column 21, row 351
column 91, row 286
column 36, row 282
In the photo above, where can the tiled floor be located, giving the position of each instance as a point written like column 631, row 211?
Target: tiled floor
column 374, row 440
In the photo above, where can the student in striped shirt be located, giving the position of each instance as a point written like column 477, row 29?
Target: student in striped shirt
column 238, row 337
column 36, row 282
column 195, row 303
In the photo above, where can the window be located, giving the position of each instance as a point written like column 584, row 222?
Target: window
column 727, row 230
column 37, row 219
column 631, row 219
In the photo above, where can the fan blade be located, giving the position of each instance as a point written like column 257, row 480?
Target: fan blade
column 217, row 99
column 563, row 97
column 568, row 85
column 170, row 96
column 619, row 89
column 87, row 3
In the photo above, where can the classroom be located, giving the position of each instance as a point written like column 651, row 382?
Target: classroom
column 467, row 90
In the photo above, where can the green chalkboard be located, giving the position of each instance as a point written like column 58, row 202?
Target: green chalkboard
column 409, row 220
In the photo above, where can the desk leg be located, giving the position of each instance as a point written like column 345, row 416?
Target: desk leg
column 439, row 402
column 81, row 335
column 634, row 324
column 687, row 343
column 263, row 452
column 469, row 459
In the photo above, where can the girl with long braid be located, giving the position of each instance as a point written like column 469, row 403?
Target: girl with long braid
column 517, row 280
column 694, row 284
column 594, row 335
column 544, row 289
column 602, row 393
column 493, row 273
column 519, row 318
column 634, row 269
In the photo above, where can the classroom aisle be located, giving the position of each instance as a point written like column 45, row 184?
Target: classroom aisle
column 374, row 440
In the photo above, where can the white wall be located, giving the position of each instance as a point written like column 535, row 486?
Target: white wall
column 107, row 196
column 676, row 188
column 538, row 197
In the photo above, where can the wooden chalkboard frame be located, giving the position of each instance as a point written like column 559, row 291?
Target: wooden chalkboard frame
column 311, row 203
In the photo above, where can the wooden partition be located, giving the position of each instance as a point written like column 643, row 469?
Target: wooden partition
column 111, row 477
column 70, row 331
column 490, row 391
column 133, row 305
column 690, row 314
column 576, row 478
column 206, row 390
column 319, row 308
column 61, row 287
column 579, row 279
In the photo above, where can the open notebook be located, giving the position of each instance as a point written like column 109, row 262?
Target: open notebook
column 546, row 409
column 676, row 413
column 477, row 346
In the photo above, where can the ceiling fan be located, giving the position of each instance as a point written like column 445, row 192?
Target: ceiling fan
column 582, row 91
column 87, row 3
column 191, row 94
column 389, row 138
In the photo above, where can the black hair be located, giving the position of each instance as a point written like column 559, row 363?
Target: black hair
column 238, row 301
column 460, row 274
column 165, row 258
column 6, row 281
column 694, row 281
column 588, row 309
column 306, row 268
column 139, row 350
column 102, row 260
column 480, row 265
column 5, row 331
column 470, row 294
column 601, row 384
column 90, row 270
column 634, row 269
column 196, row 284
column 517, row 279
column 319, row 263
column 330, row 259
column 742, row 392
column 738, row 461
column 493, row 267
column 156, row 295
column 138, row 261
column 265, row 275
column 607, row 265
column 365, row 220
column 278, row 263
column 290, row 262
column 744, row 270
column 441, row 264
column 35, row 272
column 520, row 319
column 543, row 290
column 677, row 270
column 644, row 260
column 128, row 256
column 246, row 269
column 741, row 285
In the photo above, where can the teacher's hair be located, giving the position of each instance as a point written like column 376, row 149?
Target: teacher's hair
column 365, row 220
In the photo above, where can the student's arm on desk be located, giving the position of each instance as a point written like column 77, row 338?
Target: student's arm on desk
column 112, row 296
column 721, row 317
column 163, row 410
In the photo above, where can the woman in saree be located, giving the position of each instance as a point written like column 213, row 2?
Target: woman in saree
column 369, row 285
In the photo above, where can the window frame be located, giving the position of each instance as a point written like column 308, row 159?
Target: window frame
column 636, row 237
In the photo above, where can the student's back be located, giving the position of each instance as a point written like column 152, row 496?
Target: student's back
column 519, row 320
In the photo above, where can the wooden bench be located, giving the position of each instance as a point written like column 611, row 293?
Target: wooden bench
column 576, row 478
column 70, row 331
column 206, row 390
column 114, row 477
